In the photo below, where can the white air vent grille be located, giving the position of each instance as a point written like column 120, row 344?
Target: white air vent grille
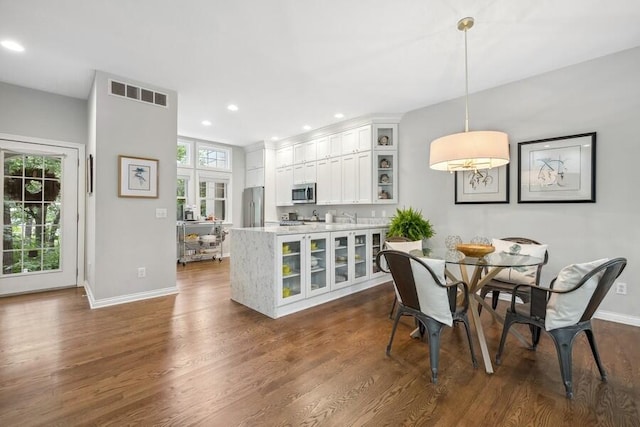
column 147, row 96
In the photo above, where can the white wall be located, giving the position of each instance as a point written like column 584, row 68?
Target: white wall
column 34, row 113
column 602, row 95
column 127, row 235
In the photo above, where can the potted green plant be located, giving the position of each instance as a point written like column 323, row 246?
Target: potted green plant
column 410, row 223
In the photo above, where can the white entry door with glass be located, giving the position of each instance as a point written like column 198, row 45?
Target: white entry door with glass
column 40, row 216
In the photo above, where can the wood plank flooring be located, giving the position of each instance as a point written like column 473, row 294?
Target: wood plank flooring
column 198, row 358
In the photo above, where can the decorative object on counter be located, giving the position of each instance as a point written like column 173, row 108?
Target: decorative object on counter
column 383, row 140
column 469, row 150
column 328, row 218
column 480, row 240
column 410, row 223
column 314, row 216
column 384, row 178
column 451, row 242
column 475, row 250
column 384, row 164
column 137, row 177
column 557, row 170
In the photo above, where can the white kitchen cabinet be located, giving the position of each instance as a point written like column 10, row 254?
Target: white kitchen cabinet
column 303, row 266
column 335, row 186
column 255, row 159
column 351, row 258
column 284, row 181
column 335, row 145
column 385, row 136
column 363, row 138
column 386, row 176
column 348, row 142
column 254, row 177
column 304, row 152
column 284, row 157
column 322, row 148
column 356, row 178
column 323, row 182
column 304, row 173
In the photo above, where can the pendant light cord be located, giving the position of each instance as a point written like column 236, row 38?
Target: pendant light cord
column 466, row 85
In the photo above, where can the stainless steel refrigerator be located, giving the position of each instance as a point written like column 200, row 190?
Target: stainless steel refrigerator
column 253, row 207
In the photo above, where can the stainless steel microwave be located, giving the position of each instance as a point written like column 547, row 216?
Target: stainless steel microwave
column 303, row 193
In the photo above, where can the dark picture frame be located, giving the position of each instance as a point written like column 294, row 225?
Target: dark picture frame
column 558, row 170
column 137, row 177
column 482, row 186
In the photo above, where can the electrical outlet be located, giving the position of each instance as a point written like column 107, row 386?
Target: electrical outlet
column 373, row 214
column 621, row 288
column 142, row 272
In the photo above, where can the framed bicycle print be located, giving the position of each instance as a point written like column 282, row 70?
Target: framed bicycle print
column 558, row 170
column 482, row 186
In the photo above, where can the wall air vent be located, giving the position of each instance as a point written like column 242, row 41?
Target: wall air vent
column 136, row 93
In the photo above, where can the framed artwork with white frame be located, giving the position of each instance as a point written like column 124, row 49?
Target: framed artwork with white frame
column 558, row 170
column 137, row 177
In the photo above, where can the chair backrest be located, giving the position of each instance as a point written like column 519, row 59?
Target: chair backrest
column 612, row 269
column 578, row 291
column 525, row 241
column 417, row 284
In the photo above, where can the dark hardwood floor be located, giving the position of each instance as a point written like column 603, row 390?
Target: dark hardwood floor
column 198, row 358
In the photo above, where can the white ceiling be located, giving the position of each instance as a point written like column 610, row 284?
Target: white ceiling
column 287, row 63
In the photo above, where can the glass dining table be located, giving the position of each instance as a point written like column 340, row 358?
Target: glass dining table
column 483, row 270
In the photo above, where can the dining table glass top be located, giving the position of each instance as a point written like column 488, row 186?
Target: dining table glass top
column 494, row 259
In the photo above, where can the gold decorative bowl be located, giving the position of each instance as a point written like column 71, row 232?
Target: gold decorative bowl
column 475, row 250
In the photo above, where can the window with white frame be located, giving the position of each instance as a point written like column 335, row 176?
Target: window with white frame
column 184, row 153
column 212, row 157
column 213, row 196
column 204, row 184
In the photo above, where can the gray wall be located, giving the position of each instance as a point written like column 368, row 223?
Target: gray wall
column 124, row 232
column 602, row 95
column 34, row 113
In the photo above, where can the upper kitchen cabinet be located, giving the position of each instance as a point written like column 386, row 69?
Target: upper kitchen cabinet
column 335, row 145
column 356, row 140
column 385, row 136
column 254, row 174
column 284, row 157
column 322, row 148
column 304, row 152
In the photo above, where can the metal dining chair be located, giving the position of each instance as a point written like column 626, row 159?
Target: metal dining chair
column 404, row 244
column 565, row 309
column 423, row 294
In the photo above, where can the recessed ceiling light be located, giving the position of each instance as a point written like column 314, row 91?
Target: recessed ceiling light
column 274, row 138
column 338, row 115
column 11, row 45
column 206, row 123
column 232, row 107
column 306, row 127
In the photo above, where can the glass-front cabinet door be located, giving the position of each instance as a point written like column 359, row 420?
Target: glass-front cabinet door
column 291, row 262
column 340, row 274
column 377, row 244
column 386, row 177
column 360, row 256
column 319, row 249
column 350, row 258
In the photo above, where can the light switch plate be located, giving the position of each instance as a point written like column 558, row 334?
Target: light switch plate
column 161, row 212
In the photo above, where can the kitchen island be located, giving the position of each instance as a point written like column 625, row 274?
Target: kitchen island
column 280, row 270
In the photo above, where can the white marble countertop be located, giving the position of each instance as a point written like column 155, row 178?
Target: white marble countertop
column 310, row 228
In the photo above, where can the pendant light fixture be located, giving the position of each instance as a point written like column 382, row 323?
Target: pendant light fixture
column 469, row 150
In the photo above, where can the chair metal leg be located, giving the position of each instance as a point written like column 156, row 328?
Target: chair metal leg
column 535, row 336
column 465, row 320
column 596, row 355
column 434, row 328
column 508, row 321
column 395, row 299
column 494, row 299
column 563, row 339
column 393, row 331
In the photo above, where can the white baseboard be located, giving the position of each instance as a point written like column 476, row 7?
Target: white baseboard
column 106, row 302
column 617, row 317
